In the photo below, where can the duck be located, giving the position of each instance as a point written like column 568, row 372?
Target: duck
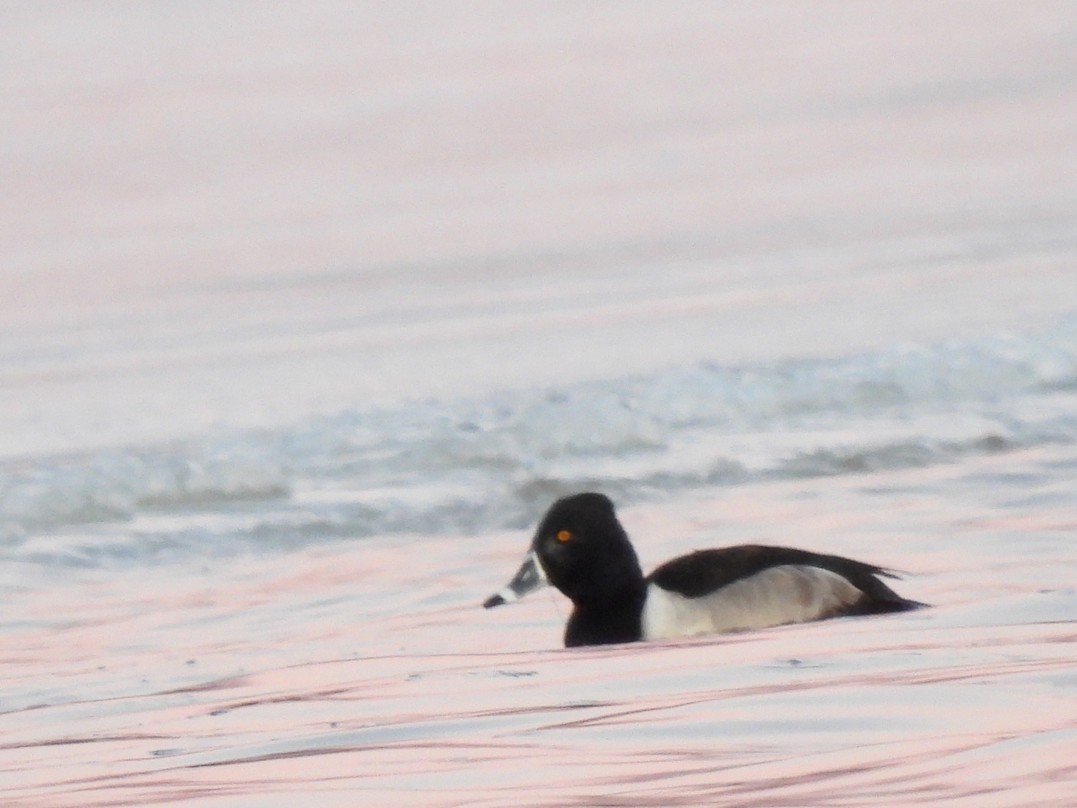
column 581, row 548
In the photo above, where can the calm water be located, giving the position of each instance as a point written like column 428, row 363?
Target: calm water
column 307, row 317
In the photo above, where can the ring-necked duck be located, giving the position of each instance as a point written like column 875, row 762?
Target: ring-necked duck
column 581, row 549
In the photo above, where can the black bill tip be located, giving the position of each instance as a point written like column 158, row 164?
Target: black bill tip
column 492, row 601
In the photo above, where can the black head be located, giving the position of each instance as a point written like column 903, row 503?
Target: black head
column 585, row 552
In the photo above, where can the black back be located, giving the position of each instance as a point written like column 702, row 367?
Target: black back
column 705, row 571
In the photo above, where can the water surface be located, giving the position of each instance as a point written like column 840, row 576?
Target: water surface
column 307, row 317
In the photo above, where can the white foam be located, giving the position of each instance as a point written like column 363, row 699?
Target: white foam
column 496, row 461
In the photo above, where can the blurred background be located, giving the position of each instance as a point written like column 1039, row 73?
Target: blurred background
column 308, row 310
column 237, row 214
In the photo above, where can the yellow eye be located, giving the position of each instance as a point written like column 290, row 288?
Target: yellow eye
column 564, row 535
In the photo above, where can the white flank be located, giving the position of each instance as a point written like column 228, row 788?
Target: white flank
column 774, row 597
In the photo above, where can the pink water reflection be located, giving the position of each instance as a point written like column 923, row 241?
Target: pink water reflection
column 368, row 671
column 190, row 270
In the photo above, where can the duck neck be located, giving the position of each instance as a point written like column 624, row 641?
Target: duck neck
column 614, row 618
